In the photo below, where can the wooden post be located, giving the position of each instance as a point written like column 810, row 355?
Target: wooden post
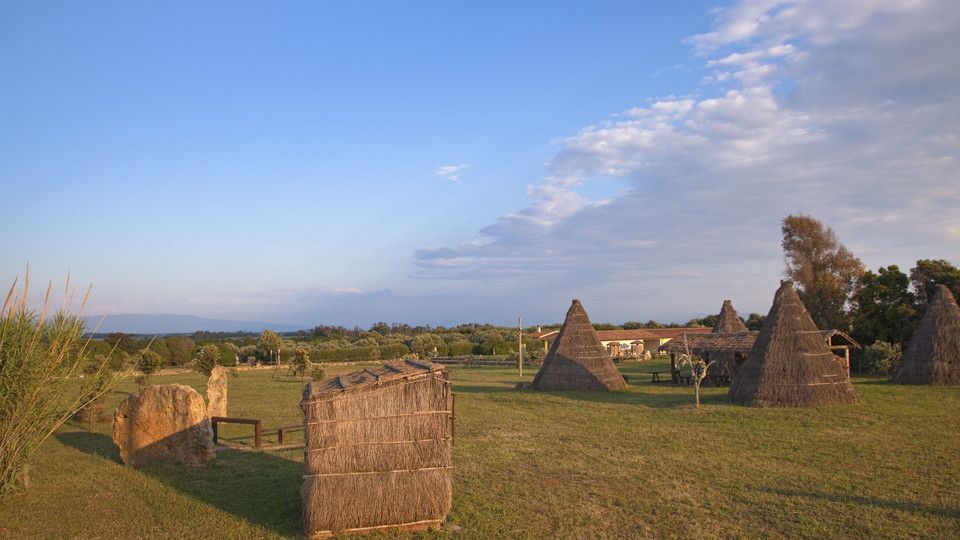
column 257, row 441
column 846, row 357
column 213, row 426
column 673, row 369
column 280, row 435
column 520, row 347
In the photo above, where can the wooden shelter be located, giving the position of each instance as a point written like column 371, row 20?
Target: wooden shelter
column 577, row 360
column 789, row 363
column 377, row 450
column 933, row 355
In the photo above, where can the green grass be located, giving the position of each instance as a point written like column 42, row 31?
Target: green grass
column 638, row 463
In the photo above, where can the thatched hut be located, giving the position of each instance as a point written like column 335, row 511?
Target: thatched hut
column 377, row 450
column 577, row 360
column 789, row 363
column 933, row 355
column 728, row 320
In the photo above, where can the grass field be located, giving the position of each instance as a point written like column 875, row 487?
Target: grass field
column 638, row 463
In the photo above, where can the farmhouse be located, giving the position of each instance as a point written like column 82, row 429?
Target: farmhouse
column 631, row 343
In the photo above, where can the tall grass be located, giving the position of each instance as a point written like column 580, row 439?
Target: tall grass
column 46, row 375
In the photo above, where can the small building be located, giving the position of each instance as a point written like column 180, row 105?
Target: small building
column 377, row 450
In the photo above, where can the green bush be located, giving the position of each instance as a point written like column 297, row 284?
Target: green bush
column 317, row 373
column 881, row 358
column 206, row 359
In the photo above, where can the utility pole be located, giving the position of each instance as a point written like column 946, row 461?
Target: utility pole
column 520, row 346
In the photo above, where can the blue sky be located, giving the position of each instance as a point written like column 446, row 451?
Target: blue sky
column 442, row 162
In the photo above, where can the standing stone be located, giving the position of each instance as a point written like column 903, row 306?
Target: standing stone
column 163, row 424
column 217, row 392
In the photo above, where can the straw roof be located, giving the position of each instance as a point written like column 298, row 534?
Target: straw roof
column 728, row 320
column 577, row 360
column 377, row 450
column 789, row 363
column 933, row 355
column 733, row 342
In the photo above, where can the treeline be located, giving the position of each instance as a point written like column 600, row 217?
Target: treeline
column 322, row 344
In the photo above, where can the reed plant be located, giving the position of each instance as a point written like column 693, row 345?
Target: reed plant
column 47, row 374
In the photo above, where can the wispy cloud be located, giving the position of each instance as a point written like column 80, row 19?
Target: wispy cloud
column 846, row 110
column 453, row 173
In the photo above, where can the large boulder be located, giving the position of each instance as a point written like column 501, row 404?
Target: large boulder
column 163, row 424
column 217, row 392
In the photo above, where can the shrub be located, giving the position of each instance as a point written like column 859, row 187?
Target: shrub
column 148, row 362
column 317, row 373
column 41, row 360
column 881, row 358
column 300, row 362
column 206, row 359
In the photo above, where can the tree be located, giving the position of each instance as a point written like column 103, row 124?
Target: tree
column 148, row 362
column 124, row 342
column 754, row 321
column 269, row 344
column 825, row 272
column 181, row 349
column 206, row 359
column 884, row 307
column 300, row 363
column 929, row 273
column 632, row 325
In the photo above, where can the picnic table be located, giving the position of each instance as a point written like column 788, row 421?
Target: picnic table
column 655, row 375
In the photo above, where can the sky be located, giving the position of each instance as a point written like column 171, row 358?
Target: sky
column 446, row 162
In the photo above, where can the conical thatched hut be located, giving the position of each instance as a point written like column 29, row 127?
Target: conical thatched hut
column 377, row 450
column 577, row 360
column 789, row 363
column 933, row 355
column 728, row 321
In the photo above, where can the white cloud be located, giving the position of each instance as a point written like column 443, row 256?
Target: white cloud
column 452, row 173
column 845, row 110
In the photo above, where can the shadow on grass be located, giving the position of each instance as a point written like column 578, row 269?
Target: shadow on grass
column 871, row 501
column 260, row 487
column 481, row 389
column 654, row 400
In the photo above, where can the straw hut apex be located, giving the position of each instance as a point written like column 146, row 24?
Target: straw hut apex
column 933, row 355
column 728, row 321
column 377, row 450
column 789, row 363
column 577, row 360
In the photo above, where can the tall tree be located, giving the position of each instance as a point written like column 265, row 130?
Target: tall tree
column 884, row 307
column 824, row 270
column 929, row 273
column 269, row 344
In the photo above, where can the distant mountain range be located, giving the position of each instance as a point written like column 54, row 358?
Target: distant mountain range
column 134, row 323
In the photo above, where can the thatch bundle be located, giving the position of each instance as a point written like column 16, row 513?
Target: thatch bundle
column 933, row 355
column 728, row 320
column 789, row 363
column 377, row 450
column 577, row 360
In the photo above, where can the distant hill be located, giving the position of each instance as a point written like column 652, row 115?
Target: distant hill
column 133, row 323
